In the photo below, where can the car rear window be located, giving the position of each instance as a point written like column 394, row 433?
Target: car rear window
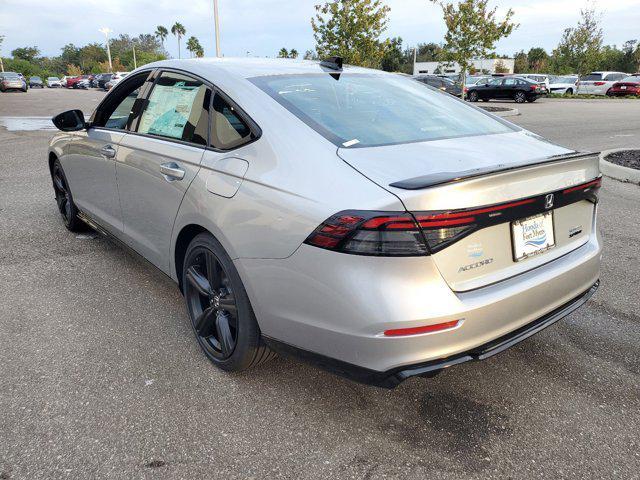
column 367, row 110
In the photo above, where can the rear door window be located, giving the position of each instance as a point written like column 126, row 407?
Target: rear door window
column 592, row 77
column 178, row 109
column 228, row 128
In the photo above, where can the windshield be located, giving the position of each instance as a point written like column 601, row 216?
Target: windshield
column 11, row 76
column 563, row 79
column 53, row 78
column 366, row 110
column 632, row 78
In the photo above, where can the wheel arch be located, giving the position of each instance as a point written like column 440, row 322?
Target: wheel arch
column 183, row 239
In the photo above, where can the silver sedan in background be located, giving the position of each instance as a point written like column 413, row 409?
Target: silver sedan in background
column 356, row 218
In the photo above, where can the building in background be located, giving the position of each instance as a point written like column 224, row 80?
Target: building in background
column 481, row 65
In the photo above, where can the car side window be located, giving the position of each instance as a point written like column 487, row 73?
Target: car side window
column 511, row 81
column 178, row 108
column 116, row 112
column 228, row 128
column 495, row 82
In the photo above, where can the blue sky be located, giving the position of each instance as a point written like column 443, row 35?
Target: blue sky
column 262, row 27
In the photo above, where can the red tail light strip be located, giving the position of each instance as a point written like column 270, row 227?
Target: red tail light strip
column 478, row 211
column 594, row 183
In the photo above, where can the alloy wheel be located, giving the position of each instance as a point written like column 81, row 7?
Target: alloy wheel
column 211, row 303
column 63, row 198
column 520, row 97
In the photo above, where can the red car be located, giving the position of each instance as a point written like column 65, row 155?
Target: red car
column 71, row 82
column 627, row 86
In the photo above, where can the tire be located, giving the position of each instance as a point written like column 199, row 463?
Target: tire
column 473, row 96
column 609, row 93
column 64, row 200
column 569, row 91
column 219, row 308
column 520, row 97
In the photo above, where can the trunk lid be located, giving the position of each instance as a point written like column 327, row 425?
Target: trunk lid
column 477, row 172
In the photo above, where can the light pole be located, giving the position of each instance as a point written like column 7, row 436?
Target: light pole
column 135, row 64
column 106, row 32
column 215, row 19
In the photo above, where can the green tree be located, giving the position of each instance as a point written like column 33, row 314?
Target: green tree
column 162, row 33
column 521, row 62
column 538, row 60
column 283, row 53
column 428, row 52
column 472, row 30
column 194, row 47
column 179, row 31
column 579, row 50
column 394, row 57
column 352, row 30
column 26, row 53
column 293, row 53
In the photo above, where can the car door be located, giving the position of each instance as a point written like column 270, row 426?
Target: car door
column 90, row 162
column 156, row 164
column 493, row 89
column 509, row 88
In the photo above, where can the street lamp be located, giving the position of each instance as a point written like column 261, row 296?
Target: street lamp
column 106, row 32
column 215, row 19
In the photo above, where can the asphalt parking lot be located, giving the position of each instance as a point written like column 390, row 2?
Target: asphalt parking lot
column 100, row 375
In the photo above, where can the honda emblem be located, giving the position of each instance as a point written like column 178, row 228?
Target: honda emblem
column 548, row 201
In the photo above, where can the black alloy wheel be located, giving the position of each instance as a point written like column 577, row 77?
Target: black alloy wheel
column 212, row 303
column 64, row 200
column 473, row 96
column 520, row 97
column 219, row 308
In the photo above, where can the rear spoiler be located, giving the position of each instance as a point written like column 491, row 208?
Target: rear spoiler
column 444, row 178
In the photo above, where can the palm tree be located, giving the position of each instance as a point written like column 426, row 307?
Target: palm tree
column 193, row 45
column 293, row 53
column 178, row 30
column 283, row 53
column 162, row 33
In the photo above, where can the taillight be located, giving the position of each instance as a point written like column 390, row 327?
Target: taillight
column 438, row 327
column 370, row 233
column 598, row 84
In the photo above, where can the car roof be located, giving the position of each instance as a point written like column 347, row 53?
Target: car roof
column 252, row 67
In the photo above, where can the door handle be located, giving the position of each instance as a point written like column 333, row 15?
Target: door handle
column 108, row 151
column 171, row 171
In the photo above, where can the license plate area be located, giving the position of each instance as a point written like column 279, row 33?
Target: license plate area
column 532, row 236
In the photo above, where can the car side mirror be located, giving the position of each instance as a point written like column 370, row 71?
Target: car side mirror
column 70, row 121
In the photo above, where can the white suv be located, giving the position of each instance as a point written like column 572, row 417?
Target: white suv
column 598, row 83
column 541, row 78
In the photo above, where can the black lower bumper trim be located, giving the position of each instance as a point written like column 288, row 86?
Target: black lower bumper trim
column 392, row 378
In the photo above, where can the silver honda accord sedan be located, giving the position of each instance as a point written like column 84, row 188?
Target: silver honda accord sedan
column 359, row 219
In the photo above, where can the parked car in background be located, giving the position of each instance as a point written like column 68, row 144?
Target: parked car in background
column 101, row 79
column 35, row 82
column 73, row 82
column 536, row 77
column 415, row 233
column 501, row 88
column 598, row 83
column 627, row 86
column 563, row 84
column 53, row 82
column 12, row 81
column 63, row 80
column 84, row 83
column 441, row 83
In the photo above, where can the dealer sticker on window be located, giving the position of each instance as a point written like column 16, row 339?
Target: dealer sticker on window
column 532, row 236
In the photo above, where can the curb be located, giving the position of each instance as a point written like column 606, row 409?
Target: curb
column 512, row 112
column 618, row 172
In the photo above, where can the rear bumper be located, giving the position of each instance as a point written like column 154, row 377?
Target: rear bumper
column 338, row 306
column 393, row 377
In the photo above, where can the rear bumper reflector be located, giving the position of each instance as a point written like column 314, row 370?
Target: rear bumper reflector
column 438, row 327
